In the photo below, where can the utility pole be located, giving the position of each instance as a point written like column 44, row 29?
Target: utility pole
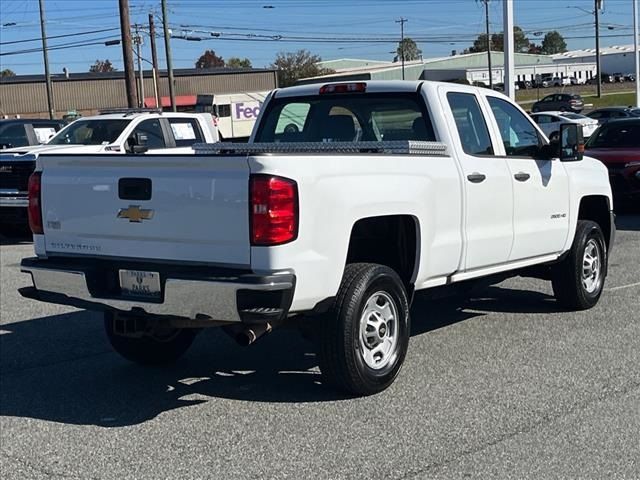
column 127, row 53
column 636, row 51
column 402, row 21
column 45, row 53
column 486, row 14
column 154, row 58
column 509, row 43
column 598, row 6
column 167, row 48
column 138, row 41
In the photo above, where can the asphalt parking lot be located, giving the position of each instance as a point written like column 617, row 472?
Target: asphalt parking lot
column 503, row 385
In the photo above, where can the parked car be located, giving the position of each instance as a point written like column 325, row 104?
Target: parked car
column 525, row 84
column 550, row 123
column 127, row 131
column 559, row 102
column 604, row 115
column 618, row 77
column 347, row 199
column 630, row 77
column 560, row 81
column 605, row 78
column 617, row 145
column 543, row 80
column 23, row 132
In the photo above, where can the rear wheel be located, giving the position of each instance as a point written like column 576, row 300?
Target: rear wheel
column 578, row 280
column 147, row 343
column 364, row 338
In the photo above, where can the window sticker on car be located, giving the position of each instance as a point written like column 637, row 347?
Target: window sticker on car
column 183, row 131
column 43, row 134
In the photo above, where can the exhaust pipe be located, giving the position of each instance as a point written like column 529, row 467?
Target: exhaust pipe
column 246, row 336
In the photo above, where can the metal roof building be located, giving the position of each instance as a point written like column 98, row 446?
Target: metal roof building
column 616, row 59
column 86, row 93
column 471, row 67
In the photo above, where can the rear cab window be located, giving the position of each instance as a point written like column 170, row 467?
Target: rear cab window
column 346, row 118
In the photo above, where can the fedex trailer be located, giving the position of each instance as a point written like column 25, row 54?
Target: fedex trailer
column 235, row 114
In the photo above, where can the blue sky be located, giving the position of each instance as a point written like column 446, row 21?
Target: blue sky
column 247, row 29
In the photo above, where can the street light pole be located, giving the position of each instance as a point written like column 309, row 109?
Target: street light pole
column 47, row 75
column 138, row 41
column 167, row 48
column 154, row 58
column 509, row 49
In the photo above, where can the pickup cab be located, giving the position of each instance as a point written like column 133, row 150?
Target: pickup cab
column 115, row 131
column 348, row 199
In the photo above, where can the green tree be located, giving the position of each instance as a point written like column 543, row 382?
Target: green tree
column 101, row 66
column 209, row 59
column 235, row 62
column 411, row 50
column 7, row 73
column 521, row 42
column 553, row 42
column 293, row 66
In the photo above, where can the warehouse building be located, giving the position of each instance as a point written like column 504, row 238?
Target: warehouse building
column 470, row 67
column 87, row 93
column 616, row 59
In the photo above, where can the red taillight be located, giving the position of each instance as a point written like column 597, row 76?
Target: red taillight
column 274, row 210
column 35, row 207
column 343, row 88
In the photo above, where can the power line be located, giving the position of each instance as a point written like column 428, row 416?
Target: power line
column 50, row 37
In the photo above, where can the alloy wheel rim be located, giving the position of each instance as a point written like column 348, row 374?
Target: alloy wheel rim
column 379, row 330
column 591, row 267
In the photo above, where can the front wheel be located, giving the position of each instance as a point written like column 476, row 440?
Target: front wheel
column 147, row 344
column 365, row 337
column 578, row 280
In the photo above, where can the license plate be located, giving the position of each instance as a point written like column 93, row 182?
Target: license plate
column 140, row 284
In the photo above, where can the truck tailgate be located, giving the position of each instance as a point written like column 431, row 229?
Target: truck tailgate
column 191, row 208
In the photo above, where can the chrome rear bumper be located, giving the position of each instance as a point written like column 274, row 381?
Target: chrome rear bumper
column 225, row 298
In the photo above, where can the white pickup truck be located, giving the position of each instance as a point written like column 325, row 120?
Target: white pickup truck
column 348, row 199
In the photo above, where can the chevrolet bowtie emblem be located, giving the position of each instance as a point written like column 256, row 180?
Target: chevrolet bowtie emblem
column 135, row 214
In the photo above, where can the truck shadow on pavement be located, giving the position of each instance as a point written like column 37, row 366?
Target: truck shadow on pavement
column 61, row 368
column 628, row 222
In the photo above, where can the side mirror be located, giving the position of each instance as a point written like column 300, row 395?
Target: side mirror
column 138, row 143
column 571, row 142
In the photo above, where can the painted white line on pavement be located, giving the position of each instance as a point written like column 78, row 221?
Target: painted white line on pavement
column 637, row 284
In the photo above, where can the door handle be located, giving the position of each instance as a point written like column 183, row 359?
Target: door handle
column 476, row 177
column 522, row 177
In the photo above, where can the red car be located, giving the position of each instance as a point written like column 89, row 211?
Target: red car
column 617, row 145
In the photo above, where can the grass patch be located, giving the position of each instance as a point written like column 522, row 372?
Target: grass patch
column 612, row 100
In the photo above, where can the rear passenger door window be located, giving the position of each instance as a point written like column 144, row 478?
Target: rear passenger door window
column 519, row 136
column 470, row 123
column 186, row 131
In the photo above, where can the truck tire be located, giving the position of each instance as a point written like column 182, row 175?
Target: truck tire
column 364, row 337
column 161, row 348
column 578, row 280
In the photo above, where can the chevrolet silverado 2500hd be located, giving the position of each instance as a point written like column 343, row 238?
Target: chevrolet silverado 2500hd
column 348, row 198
